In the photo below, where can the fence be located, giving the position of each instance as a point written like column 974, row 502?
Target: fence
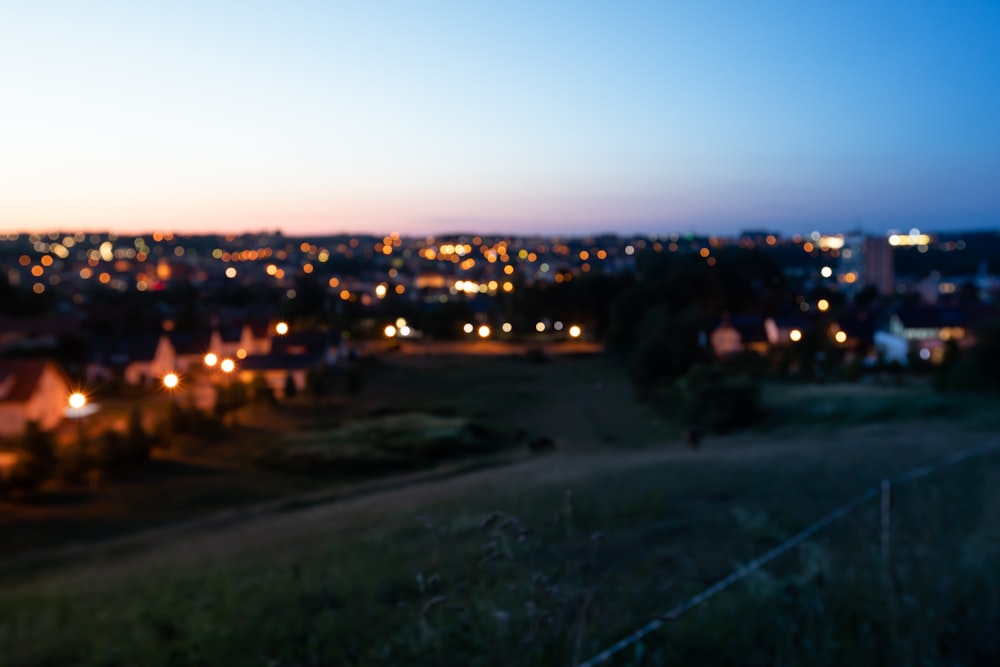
column 883, row 489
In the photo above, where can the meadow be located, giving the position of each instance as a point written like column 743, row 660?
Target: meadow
column 545, row 560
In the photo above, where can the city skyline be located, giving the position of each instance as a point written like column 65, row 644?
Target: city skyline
column 564, row 119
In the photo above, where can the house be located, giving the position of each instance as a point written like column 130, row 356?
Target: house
column 293, row 355
column 255, row 337
column 31, row 390
column 734, row 334
column 226, row 342
column 190, row 348
column 139, row 360
column 780, row 329
column 276, row 368
column 926, row 329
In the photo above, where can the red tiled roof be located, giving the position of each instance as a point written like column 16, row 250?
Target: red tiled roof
column 26, row 374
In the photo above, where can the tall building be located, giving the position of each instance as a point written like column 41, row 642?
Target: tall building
column 869, row 259
column 879, row 268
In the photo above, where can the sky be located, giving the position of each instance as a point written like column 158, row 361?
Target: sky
column 508, row 117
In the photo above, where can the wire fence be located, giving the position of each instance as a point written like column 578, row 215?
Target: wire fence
column 882, row 489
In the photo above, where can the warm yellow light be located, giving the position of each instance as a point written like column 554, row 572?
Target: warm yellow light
column 840, row 337
column 281, row 328
column 575, row 331
column 823, row 305
column 795, row 335
column 484, row 331
column 231, row 272
column 380, row 291
column 227, row 365
column 77, row 400
column 540, row 327
column 400, row 322
column 507, row 327
column 241, row 353
column 211, row 359
column 170, row 380
column 390, row 331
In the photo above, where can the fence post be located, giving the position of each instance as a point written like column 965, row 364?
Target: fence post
column 886, row 522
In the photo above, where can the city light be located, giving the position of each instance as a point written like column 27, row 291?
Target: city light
column 823, row 305
column 468, row 327
column 826, row 272
column 390, row 331
column 281, row 328
column 911, row 239
column 405, row 331
column 575, row 331
column 170, row 380
column 211, row 359
column 507, row 327
column 795, row 335
column 540, row 327
column 484, row 331
column 77, row 400
column 227, row 365
column 840, row 337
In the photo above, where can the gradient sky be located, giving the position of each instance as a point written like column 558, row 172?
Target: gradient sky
column 427, row 117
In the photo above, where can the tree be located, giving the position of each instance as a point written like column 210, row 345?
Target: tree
column 290, row 388
column 137, row 441
column 38, row 458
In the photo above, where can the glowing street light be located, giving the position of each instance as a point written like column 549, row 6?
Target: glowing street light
column 575, row 331
column 390, row 331
column 77, row 400
column 823, row 305
column 484, row 331
column 840, row 337
column 171, row 380
column 281, row 328
column 540, row 327
column 211, row 359
column 507, row 327
column 795, row 335
column 468, row 327
column 227, row 366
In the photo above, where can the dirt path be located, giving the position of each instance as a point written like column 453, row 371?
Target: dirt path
column 267, row 528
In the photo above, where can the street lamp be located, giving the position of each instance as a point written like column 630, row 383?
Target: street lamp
column 227, row 366
column 211, row 359
column 77, row 401
column 281, row 328
column 171, row 380
column 575, row 331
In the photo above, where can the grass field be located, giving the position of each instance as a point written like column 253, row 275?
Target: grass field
column 549, row 559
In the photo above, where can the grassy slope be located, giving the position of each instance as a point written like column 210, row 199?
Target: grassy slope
column 593, row 542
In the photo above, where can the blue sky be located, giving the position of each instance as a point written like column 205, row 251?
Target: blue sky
column 425, row 117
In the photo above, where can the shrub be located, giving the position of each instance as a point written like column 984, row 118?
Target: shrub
column 712, row 398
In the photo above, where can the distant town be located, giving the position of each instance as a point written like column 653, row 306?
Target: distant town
column 112, row 310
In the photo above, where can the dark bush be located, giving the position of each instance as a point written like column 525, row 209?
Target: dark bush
column 712, row 398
